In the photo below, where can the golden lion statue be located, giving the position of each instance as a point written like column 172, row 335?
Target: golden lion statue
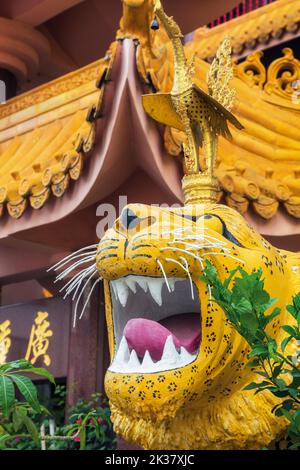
column 178, row 368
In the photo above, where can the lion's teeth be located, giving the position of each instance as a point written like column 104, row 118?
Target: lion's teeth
column 123, row 354
column 155, row 287
column 142, row 282
column 121, row 290
column 131, row 283
column 124, row 286
column 184, row 355
column 126, row 362
column 172, row 281
column 134, row 362
column 170, row 354
column 147, row 362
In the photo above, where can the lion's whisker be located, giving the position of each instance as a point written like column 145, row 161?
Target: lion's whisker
column 189, row 274
column 184, row 251
column 79, row 297
column 71, row 255
column 81, row 255
column 81, row 280
column 209, row 294
column 73, row 279
column 88, row 297
column 164, row 274
column 193, row 256
column 186, row 269
column 77, row 280
column 64, row 273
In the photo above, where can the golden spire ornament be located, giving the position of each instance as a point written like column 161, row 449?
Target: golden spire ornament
column 201, row 116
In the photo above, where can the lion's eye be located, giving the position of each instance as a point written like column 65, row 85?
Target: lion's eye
column 225, row 232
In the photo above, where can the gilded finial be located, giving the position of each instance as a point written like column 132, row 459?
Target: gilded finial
column 201, row 116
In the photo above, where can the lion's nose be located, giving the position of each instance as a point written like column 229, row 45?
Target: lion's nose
column 129, row 219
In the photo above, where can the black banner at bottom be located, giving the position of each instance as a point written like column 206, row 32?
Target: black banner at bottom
column 150, row 459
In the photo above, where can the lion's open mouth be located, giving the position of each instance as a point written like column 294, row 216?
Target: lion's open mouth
column 156, row 326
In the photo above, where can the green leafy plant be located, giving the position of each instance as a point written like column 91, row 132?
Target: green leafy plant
column 15, row 415
column 89, row 421
column 245, row 303
column 88, row 426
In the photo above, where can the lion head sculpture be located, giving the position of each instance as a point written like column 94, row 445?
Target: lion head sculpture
column 178, row 368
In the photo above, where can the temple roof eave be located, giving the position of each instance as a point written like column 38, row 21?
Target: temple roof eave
column 111, row 158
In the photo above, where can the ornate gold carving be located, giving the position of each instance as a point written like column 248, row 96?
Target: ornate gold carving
column 250, row 30
column 279, row 79
column 237, row 202
column 58, row 86
column 5, row 341
column 38, row 200
column 76, row 169
column 252, row 71
column 281, row 75
column 60, row 184
column 293, row 206
column 201, row 116
column 200, row 188
column 89, row 139
column 268, row 136
column 220, row 74
column 16, row 208
column 39, row 339
column 266, row 206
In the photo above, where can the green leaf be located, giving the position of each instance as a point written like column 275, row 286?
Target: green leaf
column 296, row 420
column 31, row 428
column 82, row 436
column 277, row 370
column 249, row 321
column 254, row 385
column 290, row 330
column 18, row 415
column 275, row 313
column 28, row 390
column 296, row 301
column 231, row 274
column 4, row 437
column 7, row 394
column 253, row 363
column 20, row 363
column 292, row 310
column 258, row 351
column 285, row 342
column 40, row 371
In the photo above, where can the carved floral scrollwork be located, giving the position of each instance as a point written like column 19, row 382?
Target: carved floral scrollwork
column 281, row 78
column 252, row 71
column 282, row 75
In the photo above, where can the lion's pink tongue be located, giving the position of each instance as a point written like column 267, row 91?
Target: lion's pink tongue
column 142, row 334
